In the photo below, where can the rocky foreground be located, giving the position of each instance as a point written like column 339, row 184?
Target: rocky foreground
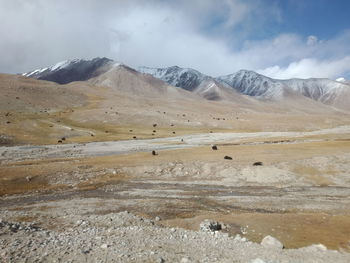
column 124, row 237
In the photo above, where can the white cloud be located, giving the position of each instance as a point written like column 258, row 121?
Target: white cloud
column 312, row 40
column 199, row 34
column 341, row 79
column 309, row 67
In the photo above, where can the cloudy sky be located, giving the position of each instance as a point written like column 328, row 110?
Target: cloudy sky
column 278, row 38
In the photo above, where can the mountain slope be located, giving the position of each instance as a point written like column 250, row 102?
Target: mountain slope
column 126, row 80
column 103, row 71
column 196, row 82
column 188, row 79
column 322, row 90
column 253, row 84
column 72, row 70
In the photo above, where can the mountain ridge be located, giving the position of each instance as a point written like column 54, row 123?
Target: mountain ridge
column 231, row 86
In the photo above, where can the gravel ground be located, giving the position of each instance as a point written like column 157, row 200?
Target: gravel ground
column 124, row 237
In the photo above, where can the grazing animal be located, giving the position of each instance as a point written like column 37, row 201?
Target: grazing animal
column 228, row 157
column 155, row 125
column 63, row 138
column 59, row 141
column 258, row 164
column 214, row 147
column 154, row 153
column 174, row 132
column 134, row 137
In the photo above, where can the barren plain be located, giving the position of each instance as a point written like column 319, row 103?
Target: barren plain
column 74, row 159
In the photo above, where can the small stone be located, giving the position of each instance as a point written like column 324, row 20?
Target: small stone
column 186, row 260
column 86, row 250
column 270, row 241
column 209, row 226
column 258, row 260
column 157, row 218
column 104, row 246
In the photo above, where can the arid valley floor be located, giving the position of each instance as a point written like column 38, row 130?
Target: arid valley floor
column 74, row 157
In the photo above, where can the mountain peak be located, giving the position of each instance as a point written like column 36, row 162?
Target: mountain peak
column 186, row 78
column 71, row 70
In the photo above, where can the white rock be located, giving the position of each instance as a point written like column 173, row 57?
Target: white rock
column 104, row 246
column 270, row 241
column 317, row 247
column 185, row 260
column 258, row 260
column 238, row 238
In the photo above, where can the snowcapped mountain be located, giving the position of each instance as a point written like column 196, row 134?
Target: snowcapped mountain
column 188, row 79
column 230, row 87
column 72, row 70
column 254, row 84
column 194, row 81
column 323, row 90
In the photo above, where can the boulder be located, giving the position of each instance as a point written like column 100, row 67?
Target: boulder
column 270, row 241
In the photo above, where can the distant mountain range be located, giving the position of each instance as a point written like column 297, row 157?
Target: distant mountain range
column 229, row 87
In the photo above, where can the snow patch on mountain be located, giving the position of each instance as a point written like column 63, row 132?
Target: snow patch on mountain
column 254, row 84
column 186, row 78
column 72, row 70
